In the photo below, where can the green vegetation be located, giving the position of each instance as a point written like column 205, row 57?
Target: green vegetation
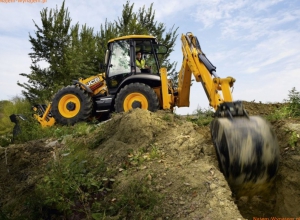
column 293, row 139
column 79, row 184
column 201, row 116
column 281, row 113
column 30, row 129
column 291, row 109
column 75, row 183
column 294, row 103
column 18, row 106
column 139, row 202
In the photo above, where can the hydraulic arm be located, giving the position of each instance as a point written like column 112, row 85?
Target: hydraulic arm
column 196, row 63
column 246, row 146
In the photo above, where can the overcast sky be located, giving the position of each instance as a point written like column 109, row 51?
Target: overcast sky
column 255, row 41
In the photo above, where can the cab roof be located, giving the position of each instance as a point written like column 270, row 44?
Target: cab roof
column 131, row 37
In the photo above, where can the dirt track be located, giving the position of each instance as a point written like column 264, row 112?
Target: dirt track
column 184, row 167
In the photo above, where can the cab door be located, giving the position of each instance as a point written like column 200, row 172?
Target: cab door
column 119, row 66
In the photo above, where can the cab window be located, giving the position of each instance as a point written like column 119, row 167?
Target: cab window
column 120, row 59
column 119, row 66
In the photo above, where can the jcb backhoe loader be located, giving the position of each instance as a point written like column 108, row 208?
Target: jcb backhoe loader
column 246, row 147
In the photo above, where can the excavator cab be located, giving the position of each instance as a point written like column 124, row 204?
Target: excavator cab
column 127, row 85
column 121, row 60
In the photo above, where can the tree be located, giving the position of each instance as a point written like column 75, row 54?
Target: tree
column 69, row 52
column 294, row 102
column 50, row 46
column 75, row 51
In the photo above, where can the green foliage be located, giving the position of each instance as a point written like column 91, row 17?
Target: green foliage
column 154, row 152
column 291, row 109
column 278, row 114
column 51, row 46
column 30, row 128
column 17, row 105
column 138, row 201
column 294, row 102
column 167, row 117
column 201, row 116
column 75, row 183
column 293, row 139
column 69, row 51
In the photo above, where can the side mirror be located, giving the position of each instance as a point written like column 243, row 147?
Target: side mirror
column 106, row 57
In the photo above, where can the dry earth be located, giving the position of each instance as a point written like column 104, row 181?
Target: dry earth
column 184, row 168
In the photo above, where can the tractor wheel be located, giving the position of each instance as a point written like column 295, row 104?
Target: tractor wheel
column 71, row 105
column 136, row 95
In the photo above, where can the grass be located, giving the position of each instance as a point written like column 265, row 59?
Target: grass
column 201, row 116
column 290, row 110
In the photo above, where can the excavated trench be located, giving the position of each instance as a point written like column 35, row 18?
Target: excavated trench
column 283, row 199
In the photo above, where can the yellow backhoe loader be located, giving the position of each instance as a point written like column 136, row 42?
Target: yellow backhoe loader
column 246, row 147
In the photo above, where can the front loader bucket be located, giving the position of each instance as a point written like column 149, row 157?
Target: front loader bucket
column 247, row 151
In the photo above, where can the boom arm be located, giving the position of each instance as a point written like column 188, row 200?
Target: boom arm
column 195, row 61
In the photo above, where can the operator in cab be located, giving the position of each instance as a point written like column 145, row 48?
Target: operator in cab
column 140, row 62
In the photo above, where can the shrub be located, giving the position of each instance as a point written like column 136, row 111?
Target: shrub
column 294, row 102
column 201, row 116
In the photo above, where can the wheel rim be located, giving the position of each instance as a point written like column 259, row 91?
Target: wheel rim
column 135, row 100
column 69, row 106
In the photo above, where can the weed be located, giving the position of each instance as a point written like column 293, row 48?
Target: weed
column 201, row 116
column 17, row 105
column 281, row 113
column 294, row 102
column 75, row 183
column 293, row 139
column 5, row 140
column 291, row 109
column 167, row 117
column 138, row 201
column 154, row 152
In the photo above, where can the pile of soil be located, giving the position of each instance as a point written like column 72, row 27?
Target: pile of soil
column 179, row 162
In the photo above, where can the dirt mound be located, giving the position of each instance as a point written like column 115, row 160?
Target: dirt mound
column 184, row 167
column 176, row 160
column 262, row 109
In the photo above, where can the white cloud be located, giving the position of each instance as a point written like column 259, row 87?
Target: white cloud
column 209, row 12
column 264, row 5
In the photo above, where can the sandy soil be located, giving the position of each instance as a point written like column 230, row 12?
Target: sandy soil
column 183, row 166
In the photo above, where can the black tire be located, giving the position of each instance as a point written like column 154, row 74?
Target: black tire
column 136, row 95
column 71, row 105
